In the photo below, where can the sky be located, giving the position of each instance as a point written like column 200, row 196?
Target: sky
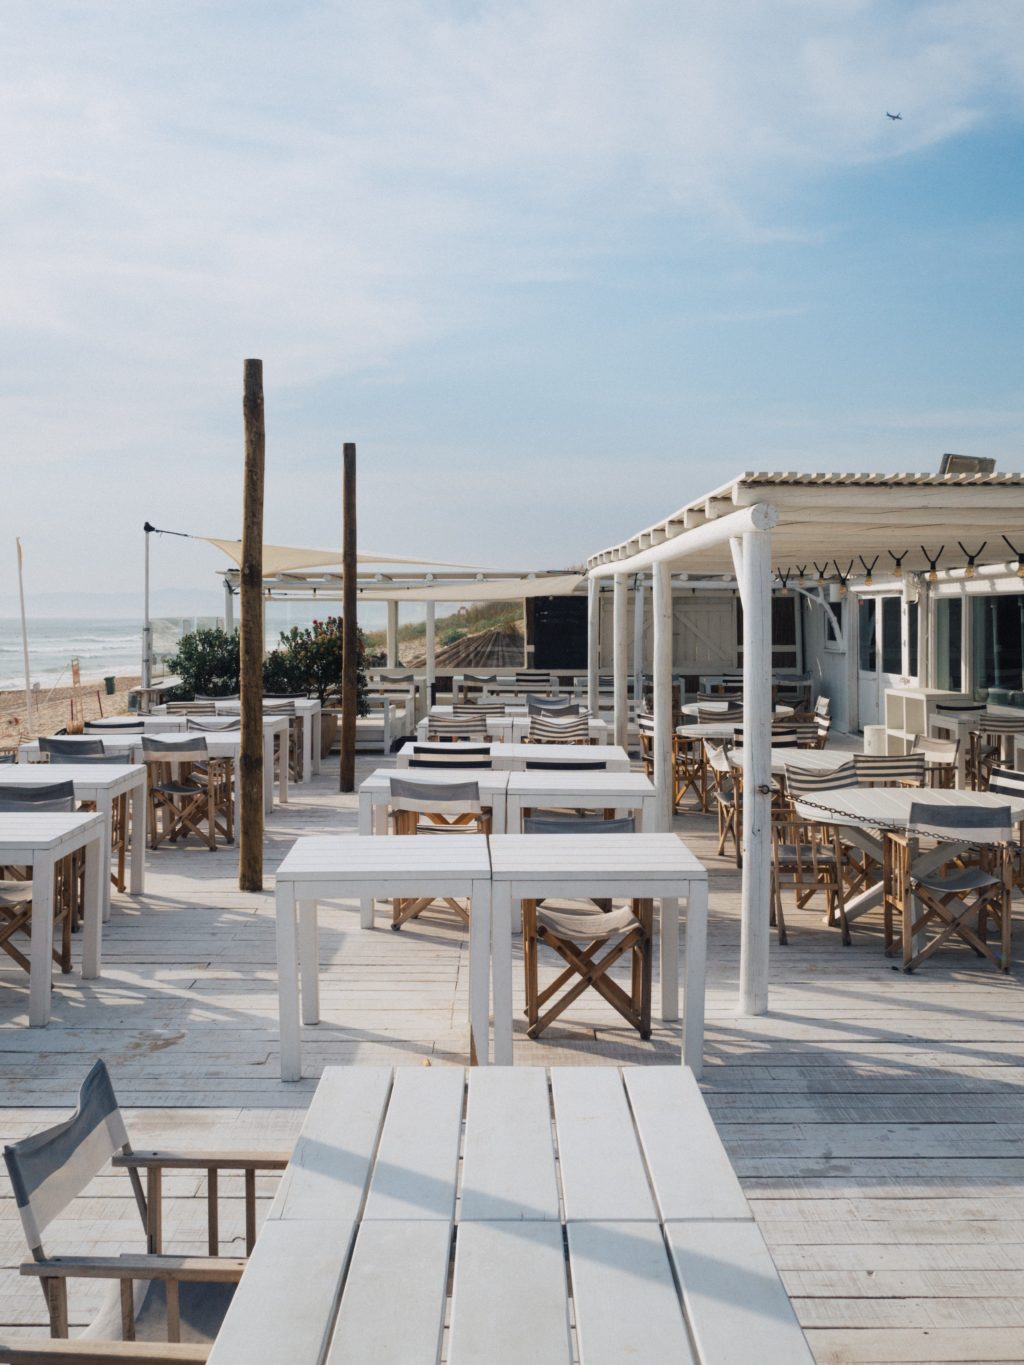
column 556, row 268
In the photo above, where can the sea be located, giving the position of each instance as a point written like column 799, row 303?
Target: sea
column 100, row 646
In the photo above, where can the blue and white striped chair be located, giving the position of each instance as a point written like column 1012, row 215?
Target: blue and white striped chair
column 154, row 1297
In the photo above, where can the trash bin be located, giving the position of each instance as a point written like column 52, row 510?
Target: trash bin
column 108, row 683
column 874, row 739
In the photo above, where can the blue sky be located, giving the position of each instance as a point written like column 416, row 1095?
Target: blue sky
column 556, row 268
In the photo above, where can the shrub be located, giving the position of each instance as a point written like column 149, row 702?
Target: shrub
column 308, row 659
column 207, row 662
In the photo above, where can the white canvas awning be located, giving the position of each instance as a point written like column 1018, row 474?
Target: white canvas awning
column 476, row 590
column 280, row 558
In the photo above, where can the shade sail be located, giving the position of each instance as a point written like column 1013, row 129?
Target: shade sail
column 280, row 558
column 470, row 590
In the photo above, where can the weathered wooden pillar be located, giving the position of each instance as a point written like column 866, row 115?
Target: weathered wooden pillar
column 620, row 658
column 350, row 627
column 661, row 612
column 250, row 861
column 229, row 607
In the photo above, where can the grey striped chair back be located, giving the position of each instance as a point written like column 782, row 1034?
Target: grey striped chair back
column 583, row 765
column 1007, row 782
column 54, row 797
column 822, row 725
column 782, row 737
column 50, row 1168
column 67, row 760
column 472, row 750
column 441, row 727
column 552, row 706
column 214, row 724
column 441, row 798
column 806, row 733
column 965, row 709
column 191, row 708
column 551, row 730
column 451, row 756
column 480, row 677
column 999, row 725
column 473, row 710
column 718, row 715
column 113, row 727
column 576, row 824
column 967, row 824
column 807, row 781
column 889, row 770
column 54, row 745
column 188, row 749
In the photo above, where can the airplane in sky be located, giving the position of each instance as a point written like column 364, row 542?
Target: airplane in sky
column 894, row 117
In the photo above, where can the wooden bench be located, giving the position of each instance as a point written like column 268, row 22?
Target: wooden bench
column 588, row 1211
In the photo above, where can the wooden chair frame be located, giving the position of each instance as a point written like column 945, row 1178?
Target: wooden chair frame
column 806, row 858
column 174, row 815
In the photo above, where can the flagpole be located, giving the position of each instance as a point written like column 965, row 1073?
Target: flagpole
column 29, row 715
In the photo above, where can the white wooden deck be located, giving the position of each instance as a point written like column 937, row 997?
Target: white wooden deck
column 876, row 1121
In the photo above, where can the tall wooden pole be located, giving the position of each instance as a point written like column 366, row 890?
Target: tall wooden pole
column 250, row 862
column 350, row 641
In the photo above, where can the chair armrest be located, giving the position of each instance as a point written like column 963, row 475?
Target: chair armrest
column 57, row 1352
column 215, row 1269
column 891, row 836
column 205, row 1161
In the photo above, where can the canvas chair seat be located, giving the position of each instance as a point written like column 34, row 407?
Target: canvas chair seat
column 580, row 924
column 14, row 892
column 955, row 883
column 202, row 1308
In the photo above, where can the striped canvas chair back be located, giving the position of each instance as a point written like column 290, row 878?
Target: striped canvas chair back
column 822, row 724
column 53, row 797
column 889, row 770
column 781, row 737
column 473, row 710
column 575, row 824
column 806, row 734
column 551, row 730
column 582, row 765
column 823, row 706
column 191, row 708
column 999, row 725
column 451, row 756
column 213, row 724
column 67, row 760
column 717, row 715
column 962, row 824
column 717, row 761
column 965, row 709
column 533, row 675
column 228, row 696
column 450, row 799
column 50, row 1168
column 113, row 726
column 552, row 706
column 184, row 750
column 1007, row 782
column 441, row 727
column 807, row 781
column 471, row 750
column 54, row 744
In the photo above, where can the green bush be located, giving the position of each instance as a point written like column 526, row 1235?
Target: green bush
column 207, row 663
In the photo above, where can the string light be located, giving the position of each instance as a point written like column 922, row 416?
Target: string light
column 784, row 580
column 843, row 577
column 969, row 570
column 801, row 570
column 933, row 564
column 868, row 580
column 897, row 562
column 1019, row 554
column 821, row 572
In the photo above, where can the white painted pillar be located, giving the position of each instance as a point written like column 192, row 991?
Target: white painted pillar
column 638, row 640
column 431, row 642
column 593, row 642
column 620, row 657
column 229, row 608
column 755, row 588
column 662, row 624
column 392, row 636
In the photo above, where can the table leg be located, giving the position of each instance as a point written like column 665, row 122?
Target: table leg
column 307, row 749
column 501, row 967
column 137, row 825
column 513, row 816
column 288, row 983
column 97, row 881
column 365, row 827
column 647, row 814
column 282, row 772
column 41, row 948
column 480, row 913
column 104, row 807
column 696, row 972
column 316, row 728
column 309, row 961
column 268, row 771
column 669, row 944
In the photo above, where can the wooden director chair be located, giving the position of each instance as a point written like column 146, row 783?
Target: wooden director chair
column 448, row 808
column 154, row 1298
column 16, row 904
column 189, row 792
column 119, row 821
column 578, row 933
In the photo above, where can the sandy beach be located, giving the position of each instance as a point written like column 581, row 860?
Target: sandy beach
column 52, row 708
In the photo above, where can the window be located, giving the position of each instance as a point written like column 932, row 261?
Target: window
column 866, row 622
column 892, row 636
column 833, row 638
column 949, row 613
column 785, row 654
column 912, row 664
column 998, row 641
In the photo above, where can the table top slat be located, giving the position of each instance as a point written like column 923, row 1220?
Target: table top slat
column 737, row 1309
column 367, row 855
column 689, row 1167
column 327, row 1175
column 510, row 1297
column 416, row 1168
column 624, row 1296
column 392, row 1308
column 639, row 855
column 602, row 1167
column 508, row 1167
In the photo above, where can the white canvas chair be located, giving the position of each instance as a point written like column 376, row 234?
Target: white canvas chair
column 436, row 809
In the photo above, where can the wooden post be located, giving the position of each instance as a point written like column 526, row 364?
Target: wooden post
column 392, row 634
column 350, row 639
column 662, row 621
column 620, row 658
column 593, row 643
column 756, row 595
column 250, row 862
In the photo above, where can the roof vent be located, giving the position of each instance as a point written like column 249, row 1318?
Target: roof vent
column 967, row 464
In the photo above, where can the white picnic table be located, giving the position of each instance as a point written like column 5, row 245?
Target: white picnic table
column 101, row 783
column 652, row 1256
column 326, row 867
column 863, row 812
column 645, row 866
column 39, row 841
column 515, row 757
column 585, row 790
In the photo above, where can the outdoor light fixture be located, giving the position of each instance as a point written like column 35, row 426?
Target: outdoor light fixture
column 821, row 573
column 1019, row 554
column 843, row 577
column 897, row 562
column 868, row 580
column 969, row 570
column 801, row 570
column 784, row 580
column 933, row 564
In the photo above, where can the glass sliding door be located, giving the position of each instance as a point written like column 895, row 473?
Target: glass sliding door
column 997, row 638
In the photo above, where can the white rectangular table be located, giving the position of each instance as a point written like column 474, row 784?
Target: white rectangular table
column 393, row 1221
column 101, row 783
column 657, row 866
column 328, row 867
column 39, row 842
column 545, row 789
column 309, row 713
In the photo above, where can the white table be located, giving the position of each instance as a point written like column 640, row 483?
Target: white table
column 863, row 811
column 618, row 791
column 514, row 757
column 309, row 713
column 40, row 841
column 327, row 867
column 655, row 1238
column 659, row 866
column 101, row 783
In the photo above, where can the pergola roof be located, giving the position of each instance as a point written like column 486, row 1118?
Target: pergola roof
column 489, row 585
column 835, row 518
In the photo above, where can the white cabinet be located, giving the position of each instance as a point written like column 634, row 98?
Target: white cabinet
column 908, row 713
